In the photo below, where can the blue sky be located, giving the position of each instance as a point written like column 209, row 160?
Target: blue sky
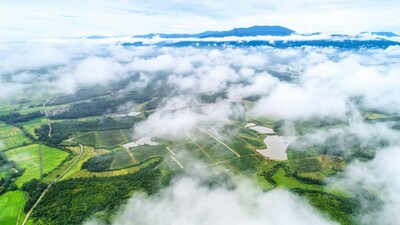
column 25, row 19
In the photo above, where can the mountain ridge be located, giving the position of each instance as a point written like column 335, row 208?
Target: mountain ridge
column 257, row 30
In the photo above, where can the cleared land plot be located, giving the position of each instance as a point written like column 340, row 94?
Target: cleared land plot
column 11, row 205
column 28, row 157
column 11, row 137
column 105, row 139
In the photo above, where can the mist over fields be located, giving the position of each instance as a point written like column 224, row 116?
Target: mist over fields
column 291, row 85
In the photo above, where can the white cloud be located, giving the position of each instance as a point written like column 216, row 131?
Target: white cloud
column 290, row 101
column 190, row 203
column 32, row 19
column 377, row 184
column 182, row 114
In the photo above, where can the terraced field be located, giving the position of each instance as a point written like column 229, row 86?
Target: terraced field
column 36, row 160
column 11, row 137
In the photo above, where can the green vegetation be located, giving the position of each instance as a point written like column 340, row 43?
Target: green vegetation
column 31, row 125
column 8, row 173
column 292, row 175
column 73, row 201
column 11, row 137
column 99, row 163
column 29, row 158
column 99, row 106
column 107, row 174
column 81, row 94
column 14, row 118
column 34, row 188
column 65, row 129
column 105, row 139
column 11, row 207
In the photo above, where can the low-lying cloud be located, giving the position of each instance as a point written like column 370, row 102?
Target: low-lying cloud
column 292, row 84
column 187, row 201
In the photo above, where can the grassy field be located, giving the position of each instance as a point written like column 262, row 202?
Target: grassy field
column 11, row 137
column 29, row 157
column 11, row 205
column 105, row 139
column 59, row 170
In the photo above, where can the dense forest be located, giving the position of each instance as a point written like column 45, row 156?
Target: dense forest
column 34, row 188
column 100, row 106
column 99, row 163
column 340, row 208
column 14, row 118
column 63, row 130
column 81, row 94
column 73, row 201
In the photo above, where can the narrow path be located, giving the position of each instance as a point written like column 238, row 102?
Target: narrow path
column 40, row 161
column 198, row 146
column 20, row 207
column 173, row 153
column 215, row 138
column 54, row 181
column 173, row 157
column 131, row 155
column 220, row 162
column 47, row 116
column 177, row 161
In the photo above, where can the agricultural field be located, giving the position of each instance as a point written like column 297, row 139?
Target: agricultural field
column 37, row 160
column 11, row 206
column 11, row 137
column 105, row 139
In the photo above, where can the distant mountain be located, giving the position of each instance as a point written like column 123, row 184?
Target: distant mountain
column 237, row 32
column 96, row 37
column 280, row 38
column 254, row 31
column 386, row 34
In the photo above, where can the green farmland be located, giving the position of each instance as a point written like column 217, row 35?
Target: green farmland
column 35, row 162
column 11, row 205
column 11, row 137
